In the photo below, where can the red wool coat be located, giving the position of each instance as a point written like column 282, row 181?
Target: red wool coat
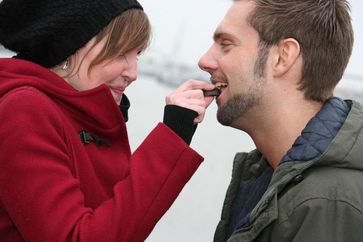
column 53, row 187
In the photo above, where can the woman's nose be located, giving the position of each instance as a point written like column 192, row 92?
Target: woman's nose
column 131, row 71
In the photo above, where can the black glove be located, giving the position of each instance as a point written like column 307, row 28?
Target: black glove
column 181, row 121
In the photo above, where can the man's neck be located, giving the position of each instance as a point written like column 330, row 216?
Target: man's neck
column 280, row 128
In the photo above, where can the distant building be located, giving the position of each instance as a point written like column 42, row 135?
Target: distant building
column 173, row 73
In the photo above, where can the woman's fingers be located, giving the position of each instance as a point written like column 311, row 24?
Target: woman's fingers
column 195, row 84
column 190, row 95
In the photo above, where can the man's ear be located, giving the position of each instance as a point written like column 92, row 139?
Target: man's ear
column 285, row 55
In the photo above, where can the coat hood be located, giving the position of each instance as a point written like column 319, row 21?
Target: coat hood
column 337, row 143
column 346, row 148
column 333, row 138
column 95, row 108
column 337, row 136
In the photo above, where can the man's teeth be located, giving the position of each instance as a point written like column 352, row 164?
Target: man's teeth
column 219, row 85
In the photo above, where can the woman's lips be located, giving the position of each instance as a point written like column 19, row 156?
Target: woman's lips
column 117, row 92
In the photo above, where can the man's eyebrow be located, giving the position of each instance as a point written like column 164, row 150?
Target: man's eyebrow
column 220, row 35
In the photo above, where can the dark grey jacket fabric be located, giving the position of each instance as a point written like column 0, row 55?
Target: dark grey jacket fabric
column 315, row 194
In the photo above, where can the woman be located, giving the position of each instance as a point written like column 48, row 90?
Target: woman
column 66, row 170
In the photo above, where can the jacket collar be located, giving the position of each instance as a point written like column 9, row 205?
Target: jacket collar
column 319, row 132
column 321, row 137
column 343, row 144
column 94, row 109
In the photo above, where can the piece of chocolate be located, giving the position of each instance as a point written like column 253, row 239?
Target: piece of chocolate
column 216, row 91
column 212, row 93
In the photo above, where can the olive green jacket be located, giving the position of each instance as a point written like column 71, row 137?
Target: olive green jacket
column 314, row 201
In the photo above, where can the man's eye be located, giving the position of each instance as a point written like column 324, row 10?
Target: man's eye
column 225, row 44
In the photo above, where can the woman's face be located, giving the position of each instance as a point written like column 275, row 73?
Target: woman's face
column 116, row 74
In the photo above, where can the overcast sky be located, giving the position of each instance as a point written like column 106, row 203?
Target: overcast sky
column 183, row 29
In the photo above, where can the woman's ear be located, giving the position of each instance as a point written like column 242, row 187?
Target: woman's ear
column 285, row 55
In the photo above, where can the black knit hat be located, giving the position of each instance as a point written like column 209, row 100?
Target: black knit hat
column 47, row 32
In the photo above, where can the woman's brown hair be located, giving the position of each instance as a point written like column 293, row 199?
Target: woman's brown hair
column 128, row 31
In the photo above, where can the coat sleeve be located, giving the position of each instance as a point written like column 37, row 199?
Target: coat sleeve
column 320, row 220
column 43, row 199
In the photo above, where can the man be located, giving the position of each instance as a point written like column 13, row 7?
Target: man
column 281, row 60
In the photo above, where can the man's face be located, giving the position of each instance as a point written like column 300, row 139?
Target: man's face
column 236, row 58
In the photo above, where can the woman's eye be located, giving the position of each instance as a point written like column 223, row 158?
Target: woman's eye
column 139, row 53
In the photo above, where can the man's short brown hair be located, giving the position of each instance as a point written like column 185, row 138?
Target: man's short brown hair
column 324, row 31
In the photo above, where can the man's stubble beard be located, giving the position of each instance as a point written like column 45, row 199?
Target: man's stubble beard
column 240, row 104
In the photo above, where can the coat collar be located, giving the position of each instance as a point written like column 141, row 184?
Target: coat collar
column 343, row 143
column 94, row 109
column 327, row 128
column 319, row 132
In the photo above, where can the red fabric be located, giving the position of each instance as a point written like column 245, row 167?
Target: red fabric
column 55, row 188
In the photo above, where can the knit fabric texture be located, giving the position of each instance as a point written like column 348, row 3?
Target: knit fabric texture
column 47, row 32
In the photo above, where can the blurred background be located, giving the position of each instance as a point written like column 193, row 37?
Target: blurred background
column 182, row 32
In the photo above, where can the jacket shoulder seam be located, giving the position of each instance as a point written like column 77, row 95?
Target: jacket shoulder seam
column 289, row 214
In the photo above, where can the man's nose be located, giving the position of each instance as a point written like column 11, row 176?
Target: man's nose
column 208, row 62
